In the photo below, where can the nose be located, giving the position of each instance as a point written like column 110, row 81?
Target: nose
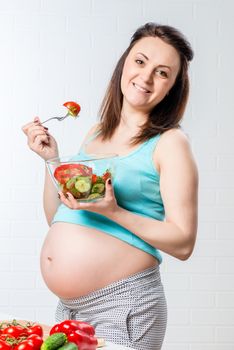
column 147, row 75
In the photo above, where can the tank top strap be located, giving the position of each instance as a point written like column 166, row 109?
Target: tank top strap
column 152, row 143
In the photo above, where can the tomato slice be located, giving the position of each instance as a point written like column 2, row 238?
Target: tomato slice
column 66, row 171
column 73, row 108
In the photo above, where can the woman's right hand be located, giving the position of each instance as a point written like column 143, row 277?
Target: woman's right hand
column 40, row 140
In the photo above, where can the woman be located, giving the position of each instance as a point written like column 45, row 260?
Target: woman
column 102, row 259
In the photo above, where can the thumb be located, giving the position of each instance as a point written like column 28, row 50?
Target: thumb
column 109, row 189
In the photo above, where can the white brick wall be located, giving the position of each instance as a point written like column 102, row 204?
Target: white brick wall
column 56, row 50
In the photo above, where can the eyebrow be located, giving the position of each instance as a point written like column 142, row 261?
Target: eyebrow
column 160, row 65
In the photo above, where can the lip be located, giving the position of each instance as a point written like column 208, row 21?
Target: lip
column 141, row 88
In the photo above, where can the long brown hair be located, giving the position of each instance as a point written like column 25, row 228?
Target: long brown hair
column 168, row 113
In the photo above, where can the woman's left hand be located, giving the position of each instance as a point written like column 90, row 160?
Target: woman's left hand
column 105, row 206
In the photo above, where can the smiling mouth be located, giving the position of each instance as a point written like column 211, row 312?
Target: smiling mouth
column 140, row 88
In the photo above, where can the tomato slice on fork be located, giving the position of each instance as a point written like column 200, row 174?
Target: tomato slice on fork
column 73, row 108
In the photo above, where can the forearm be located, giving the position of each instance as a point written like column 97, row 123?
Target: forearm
column 50, row 198
column 165, row 236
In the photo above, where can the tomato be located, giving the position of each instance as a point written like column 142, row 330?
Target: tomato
column 36, row 340
column 106, row 176
column 94, row 178
column 35, row 329
column 73, row 108
column 15, row 331
column 66, row 171
column 55, row 329
column 4, row 345
column 25, row 345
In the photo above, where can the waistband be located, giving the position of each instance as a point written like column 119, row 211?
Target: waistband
column 124, row 286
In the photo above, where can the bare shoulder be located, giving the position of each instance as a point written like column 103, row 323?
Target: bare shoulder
column 174, row 137
column 173, row 142
column 173, row 148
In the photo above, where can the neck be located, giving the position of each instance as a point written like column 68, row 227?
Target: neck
column 132, row 119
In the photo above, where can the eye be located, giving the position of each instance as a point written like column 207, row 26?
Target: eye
column 138, row 61
column 162, row 73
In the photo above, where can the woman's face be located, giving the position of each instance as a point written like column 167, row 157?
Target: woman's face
column 149, row 72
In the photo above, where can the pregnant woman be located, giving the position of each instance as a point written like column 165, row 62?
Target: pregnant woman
column 102, row 259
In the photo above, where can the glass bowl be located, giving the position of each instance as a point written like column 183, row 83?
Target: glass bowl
column 84, row 177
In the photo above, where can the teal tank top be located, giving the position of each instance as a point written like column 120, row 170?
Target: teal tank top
column 136, row 187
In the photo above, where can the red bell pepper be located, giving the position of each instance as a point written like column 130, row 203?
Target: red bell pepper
column 69, row 326
column 83, row 340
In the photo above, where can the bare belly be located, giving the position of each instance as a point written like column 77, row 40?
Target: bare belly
column 76, row 260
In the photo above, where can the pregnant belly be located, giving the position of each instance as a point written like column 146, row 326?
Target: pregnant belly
column 76, row 260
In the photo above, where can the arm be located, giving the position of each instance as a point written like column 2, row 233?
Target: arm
column 43, row 144
column 178, row 184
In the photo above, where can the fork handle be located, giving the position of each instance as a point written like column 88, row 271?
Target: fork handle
column 48, row 120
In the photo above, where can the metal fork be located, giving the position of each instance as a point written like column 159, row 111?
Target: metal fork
column 58, row 118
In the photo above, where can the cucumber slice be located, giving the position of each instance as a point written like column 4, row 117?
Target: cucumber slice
column 85, row 178
column 94, row 196
column 70, row 183
column 98, row 188
column 83, row 185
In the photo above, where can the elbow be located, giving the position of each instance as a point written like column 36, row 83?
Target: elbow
column 187, row 244
column 184, row 256
column 185, row 252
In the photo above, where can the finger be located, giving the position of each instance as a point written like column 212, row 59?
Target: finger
column 27, row 128
column 73, row 201
column 39, row 140
column 28, row 125
column 37, row 130
column 34, row 134
column 64, row 199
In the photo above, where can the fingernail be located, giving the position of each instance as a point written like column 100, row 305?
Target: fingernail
column 109, row 181
column 45, row 128
column 66, row 195
column 59, row 196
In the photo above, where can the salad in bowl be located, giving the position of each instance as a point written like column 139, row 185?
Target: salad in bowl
column 84, row 177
